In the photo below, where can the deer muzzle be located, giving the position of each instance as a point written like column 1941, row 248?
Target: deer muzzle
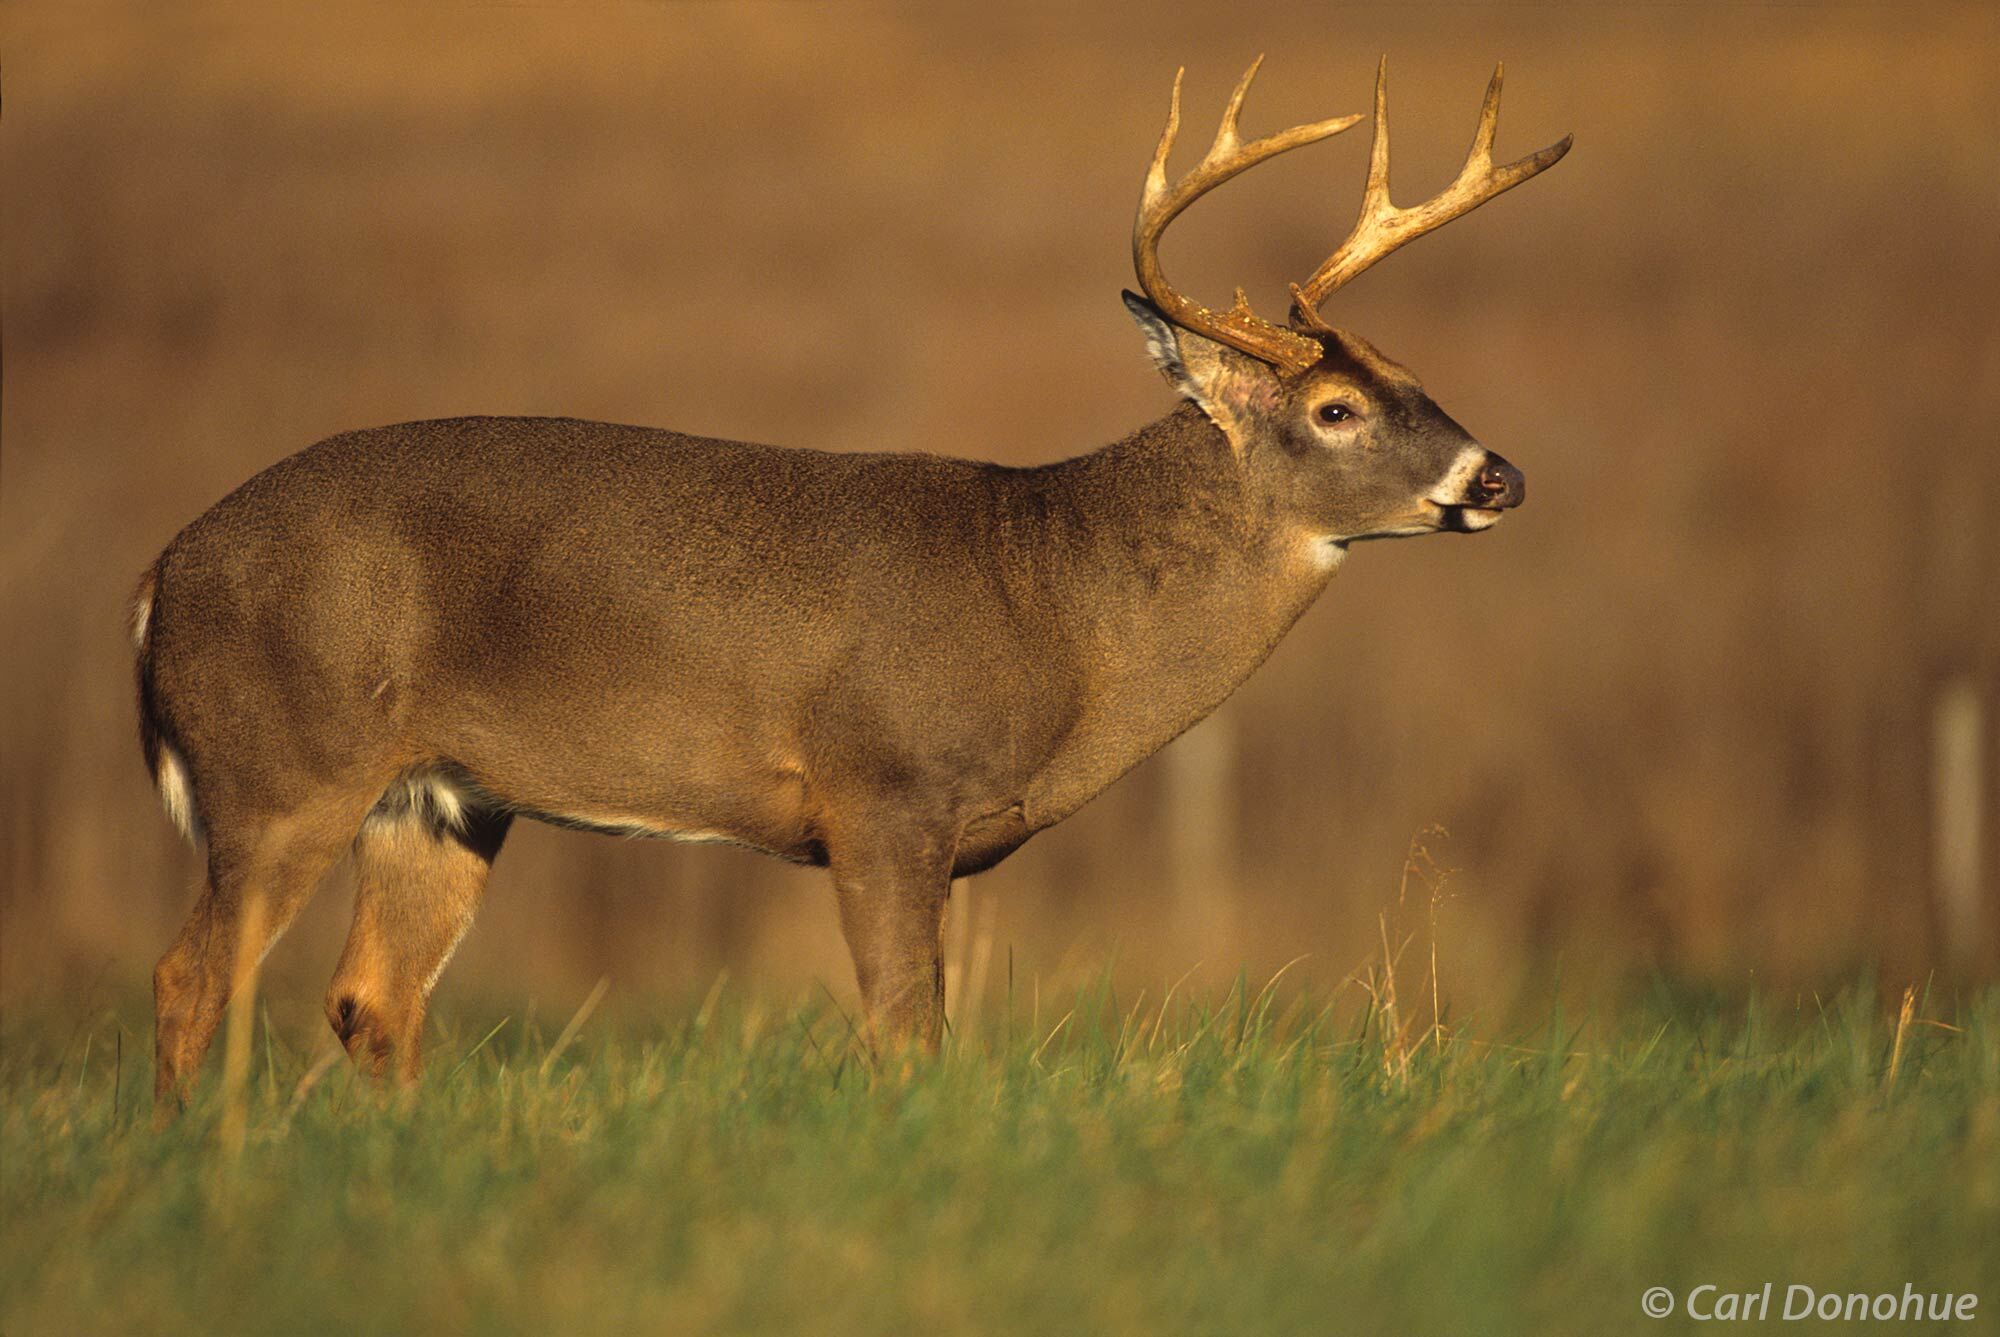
column 1498, row 486
column 1474, row 496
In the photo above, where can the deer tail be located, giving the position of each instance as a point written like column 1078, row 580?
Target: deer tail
column 164, row 762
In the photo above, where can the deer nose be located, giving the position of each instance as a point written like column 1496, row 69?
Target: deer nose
column 1500, row 484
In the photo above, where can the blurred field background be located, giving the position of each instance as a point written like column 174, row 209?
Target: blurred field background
column 1703, row 711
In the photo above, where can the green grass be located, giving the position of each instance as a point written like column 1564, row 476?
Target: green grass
column 1228, row 1166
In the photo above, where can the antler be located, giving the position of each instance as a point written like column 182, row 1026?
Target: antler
column 1160, row 204
column 1383, row 227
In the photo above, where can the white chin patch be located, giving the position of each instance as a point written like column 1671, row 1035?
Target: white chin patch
column 1472, row 519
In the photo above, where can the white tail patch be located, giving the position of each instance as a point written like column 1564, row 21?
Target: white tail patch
column 176, row 793
column 142, row 607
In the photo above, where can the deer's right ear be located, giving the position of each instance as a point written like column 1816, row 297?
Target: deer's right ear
column 1221, row 381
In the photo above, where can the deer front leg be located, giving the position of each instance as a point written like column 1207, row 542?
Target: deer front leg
column 892, row 882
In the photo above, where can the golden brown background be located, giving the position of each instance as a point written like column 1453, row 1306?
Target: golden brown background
column 1679, row 714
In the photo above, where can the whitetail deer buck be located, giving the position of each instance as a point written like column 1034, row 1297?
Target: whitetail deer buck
column 898, row 666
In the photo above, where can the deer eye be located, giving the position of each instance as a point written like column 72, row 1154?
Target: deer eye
column 1334, row 411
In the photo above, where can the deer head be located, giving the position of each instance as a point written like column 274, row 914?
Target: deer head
column 1344, row 440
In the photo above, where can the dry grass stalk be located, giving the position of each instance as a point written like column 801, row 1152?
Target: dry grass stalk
column 582, row 1014
column 1378, row 978
column 1904, row 1014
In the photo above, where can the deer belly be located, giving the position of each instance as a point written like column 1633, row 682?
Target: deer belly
column 699, row 790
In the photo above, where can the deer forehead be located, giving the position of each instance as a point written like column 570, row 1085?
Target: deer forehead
column 1351, row 361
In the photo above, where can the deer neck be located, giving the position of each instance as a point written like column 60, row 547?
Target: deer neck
column 1174, row 575
column 1184, row 546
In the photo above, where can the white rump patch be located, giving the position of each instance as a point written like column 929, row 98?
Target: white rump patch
column 176, row 793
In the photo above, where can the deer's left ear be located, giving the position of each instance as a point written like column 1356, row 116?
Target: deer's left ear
column 1225, row 384
column 1162, row 341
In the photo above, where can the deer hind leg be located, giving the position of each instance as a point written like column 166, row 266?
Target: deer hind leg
column 892, row 883
column 262, row 869
column 422, row 869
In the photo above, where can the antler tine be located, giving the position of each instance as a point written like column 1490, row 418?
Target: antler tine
column 1375, row 196
column 1489, row 118
column 1226, row 141
column 1156, row 175
column 1382, row 227
column 1160, row 204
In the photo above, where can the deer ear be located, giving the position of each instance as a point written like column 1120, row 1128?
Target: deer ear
column 1163, row 343
column 1220, row 380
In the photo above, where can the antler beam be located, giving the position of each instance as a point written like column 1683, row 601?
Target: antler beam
column 1383, row 227
column 1160, row 204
